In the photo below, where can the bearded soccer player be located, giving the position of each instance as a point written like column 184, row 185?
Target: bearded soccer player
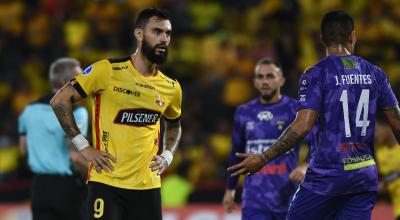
column 130, row 95
column 258, row 124
column 341, row 95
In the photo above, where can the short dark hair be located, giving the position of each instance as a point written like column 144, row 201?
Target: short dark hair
column 336, row 27
column 268, row 60
column 147, row 13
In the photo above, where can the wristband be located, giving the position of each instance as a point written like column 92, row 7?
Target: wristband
column 168, row 156
column 80, row 142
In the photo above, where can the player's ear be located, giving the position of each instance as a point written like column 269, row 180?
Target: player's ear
column 352, row 37
column 138, row 34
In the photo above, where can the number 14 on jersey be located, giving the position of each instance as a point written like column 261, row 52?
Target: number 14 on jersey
column 362, row 107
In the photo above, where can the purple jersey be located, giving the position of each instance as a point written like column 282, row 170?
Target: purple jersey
column 256, row 127
column 347, row 92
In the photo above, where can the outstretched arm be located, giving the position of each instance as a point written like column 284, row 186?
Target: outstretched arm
column 393, row 116
column 172, row 136
column 62, row 104
column 296, row 131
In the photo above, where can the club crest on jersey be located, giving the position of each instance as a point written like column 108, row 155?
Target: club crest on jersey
column 265, row 116
column 280, row 124
column 88, row 70
column 160, row 101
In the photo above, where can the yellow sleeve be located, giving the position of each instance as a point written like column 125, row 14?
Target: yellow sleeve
column 94, row 78
column 173, row 111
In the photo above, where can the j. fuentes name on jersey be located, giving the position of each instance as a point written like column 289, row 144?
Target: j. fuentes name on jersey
column 354, row 79
column 137, row 117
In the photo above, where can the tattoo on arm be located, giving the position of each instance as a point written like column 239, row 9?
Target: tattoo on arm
column 62, row 107
column 286, row 142
column 172, row 136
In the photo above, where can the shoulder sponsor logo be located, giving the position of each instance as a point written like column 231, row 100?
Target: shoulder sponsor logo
column 265, row 116
column 88, row 70
column 126, row 91
column 120, row 67
column 172, row 83
column 137, row 117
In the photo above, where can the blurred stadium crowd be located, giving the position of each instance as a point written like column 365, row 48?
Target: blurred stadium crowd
column 214, row 47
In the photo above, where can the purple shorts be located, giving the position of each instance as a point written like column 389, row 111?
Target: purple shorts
column 258, row 214
column 309, row 205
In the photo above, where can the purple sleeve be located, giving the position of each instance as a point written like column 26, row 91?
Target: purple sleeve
column 387, row 98
column 308, row 139
column 310, row 90
column 238, row 142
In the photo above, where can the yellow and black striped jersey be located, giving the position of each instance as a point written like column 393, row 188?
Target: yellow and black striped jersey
column 126, row 118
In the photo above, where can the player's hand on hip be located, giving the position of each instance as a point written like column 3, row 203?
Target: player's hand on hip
column 251, row 164
column 297, row 175
column 158, row 163
column 100, row 160
column 229, row 200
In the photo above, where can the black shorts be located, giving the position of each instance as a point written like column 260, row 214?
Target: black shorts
column 108, row 202
column 57, row 197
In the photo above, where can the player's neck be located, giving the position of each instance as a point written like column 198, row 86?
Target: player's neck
column 337, row 50
column 143, row 65
column 276, row 98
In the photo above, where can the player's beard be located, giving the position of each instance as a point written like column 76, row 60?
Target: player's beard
column 268, row 97
column 150, row 52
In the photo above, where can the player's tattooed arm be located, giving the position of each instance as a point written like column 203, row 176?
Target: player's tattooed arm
column 287, row 141
column 172, row 136
column 62, row 104
column 293, row 135
column 252, row 163
column 393, row 116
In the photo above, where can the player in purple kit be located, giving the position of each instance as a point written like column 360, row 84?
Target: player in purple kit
column 340, row 95
column 258, row 124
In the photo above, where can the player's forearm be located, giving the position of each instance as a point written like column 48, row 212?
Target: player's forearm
column 393, row 117
column 292, row 136
column 396, row 129
column 62, row 104
column 172, row 136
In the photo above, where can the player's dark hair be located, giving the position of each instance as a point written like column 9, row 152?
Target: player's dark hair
column 268, row 60
column 336, row 27
column 147, row 13
column 62, row 70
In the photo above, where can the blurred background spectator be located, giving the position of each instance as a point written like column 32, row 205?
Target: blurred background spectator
column 215, row 46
